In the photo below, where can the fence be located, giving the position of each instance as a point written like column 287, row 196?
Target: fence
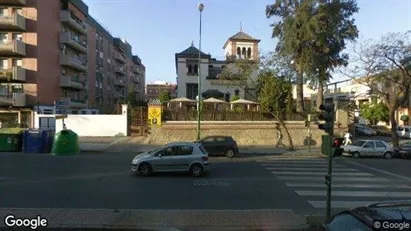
column 211, row 115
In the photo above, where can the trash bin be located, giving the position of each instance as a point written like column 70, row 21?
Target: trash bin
column 11, row 139
column 37, row 141
column 66, row 143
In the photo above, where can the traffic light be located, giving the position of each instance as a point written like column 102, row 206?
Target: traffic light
column 327, row 114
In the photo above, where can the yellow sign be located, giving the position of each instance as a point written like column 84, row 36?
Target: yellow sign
column 154, row 115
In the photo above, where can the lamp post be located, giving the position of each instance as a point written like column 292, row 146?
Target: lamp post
column 200, row 8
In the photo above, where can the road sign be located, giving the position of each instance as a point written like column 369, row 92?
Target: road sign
column 61, row 106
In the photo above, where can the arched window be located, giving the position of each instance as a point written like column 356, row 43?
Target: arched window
column 238, row 52
column 244, row 53
column 249, row 53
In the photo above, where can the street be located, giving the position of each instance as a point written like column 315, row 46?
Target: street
column 272, row 183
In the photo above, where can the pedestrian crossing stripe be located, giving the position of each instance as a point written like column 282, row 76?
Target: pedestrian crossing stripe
column 306, row 178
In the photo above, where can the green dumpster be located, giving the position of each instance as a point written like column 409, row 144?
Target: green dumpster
column 66, row 143
column 11, row 139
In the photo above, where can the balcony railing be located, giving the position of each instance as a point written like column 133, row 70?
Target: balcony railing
column 120, row 70
column 119, row 82
column 13, row 22
column 73, row 41
column 75, row 103
column 13, row 99
column 13, row 2
column 69, row 19
column 119, row 57
column 12, row 48
column 13, row 75
column 72, row 82
column 73, row 62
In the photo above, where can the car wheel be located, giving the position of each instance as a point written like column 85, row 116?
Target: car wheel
column 356, row 155
column 196, row 170
column 388, row 155
column 229, row 153
column 145, row 169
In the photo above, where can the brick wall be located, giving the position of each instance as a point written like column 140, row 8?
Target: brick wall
column 245, row 133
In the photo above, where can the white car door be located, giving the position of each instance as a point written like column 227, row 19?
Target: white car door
column 368, row 149
column 380, row 148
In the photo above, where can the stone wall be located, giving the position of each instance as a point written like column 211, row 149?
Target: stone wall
column 245, row 133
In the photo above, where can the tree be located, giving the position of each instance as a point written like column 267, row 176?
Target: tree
column 375, row 112
column 240, row 73
column 164, row 96
column 312, row 33
column 384, row 66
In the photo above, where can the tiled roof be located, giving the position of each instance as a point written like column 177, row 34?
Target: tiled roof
column 213, row 72
column 242, row 36
column 192, row 50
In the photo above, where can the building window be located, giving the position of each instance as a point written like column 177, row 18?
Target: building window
column 238, row 52
column 190, row 69
column 249, row 53
column 191, row 90
column 196, row 69
column 227, row 97
column 244, row 53
column 237, row 92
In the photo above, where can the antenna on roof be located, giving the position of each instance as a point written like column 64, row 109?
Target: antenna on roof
column 241, row 27
column 192, row 43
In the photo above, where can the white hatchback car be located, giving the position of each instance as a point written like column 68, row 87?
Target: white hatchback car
column 173, row 157
column 376, row 148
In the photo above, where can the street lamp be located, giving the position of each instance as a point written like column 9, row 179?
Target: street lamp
column 200, row 8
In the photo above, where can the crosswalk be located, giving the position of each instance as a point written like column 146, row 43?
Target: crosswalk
column 351, row 187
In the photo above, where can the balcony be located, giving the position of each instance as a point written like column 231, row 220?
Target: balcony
column 120, row 70
column 67, row 18
column 12, row 48
column 75, row 103
column 116, row 95
column 73, row 42
column 14, row 22
column 13, row 99
column 70, row 61
column 119, row 82
column 72, row 82
column 13, row 75
column 119, row 57
column 13, row 2
column 136, row 70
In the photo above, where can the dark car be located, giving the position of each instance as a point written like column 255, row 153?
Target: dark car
column 220, row 145
column 381, row 130
column 404, row 151
column 364, row 218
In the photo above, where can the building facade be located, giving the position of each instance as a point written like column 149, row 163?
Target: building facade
column 54, row 51
column 240, row 46
column 154, row 88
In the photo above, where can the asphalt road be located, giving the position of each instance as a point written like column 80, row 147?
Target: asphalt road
column 103, row 181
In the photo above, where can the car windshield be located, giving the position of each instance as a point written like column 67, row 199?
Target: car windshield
column 358, row 143
column 155, row 150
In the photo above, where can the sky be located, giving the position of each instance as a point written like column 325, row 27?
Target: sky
column 157, row 29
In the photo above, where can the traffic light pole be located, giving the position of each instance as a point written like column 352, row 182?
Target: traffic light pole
column 329, row 177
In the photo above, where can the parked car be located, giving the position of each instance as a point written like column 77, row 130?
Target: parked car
column 220, row 145
column 381, row 130
column 364, row 131
column 404, row 151
column 364, row 218
column 368, row 148
column 173, row 157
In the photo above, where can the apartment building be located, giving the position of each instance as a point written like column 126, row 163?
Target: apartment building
column 54, row 51
column 154, row 88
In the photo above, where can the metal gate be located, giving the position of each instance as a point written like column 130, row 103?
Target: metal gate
column 138, row 121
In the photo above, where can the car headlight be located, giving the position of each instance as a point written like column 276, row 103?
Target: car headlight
column 135, row 160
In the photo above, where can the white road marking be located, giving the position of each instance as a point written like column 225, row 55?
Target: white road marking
column 348, row 185
column 341, row 204
column 311, row 169
column 323, row 173
column 310, row 178
column 354, row 193
column 380, row 171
